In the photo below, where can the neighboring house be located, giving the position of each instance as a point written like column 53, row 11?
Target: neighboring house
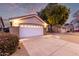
column 1, row 23
column 27, row 26
column 2, row 26
column 67, row 28
column 63, row 29
column 75, row 23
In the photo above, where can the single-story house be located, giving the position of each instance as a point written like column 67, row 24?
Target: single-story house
column 27, row 26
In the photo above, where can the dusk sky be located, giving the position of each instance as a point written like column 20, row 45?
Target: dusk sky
column 73, row 8
column 13, row 10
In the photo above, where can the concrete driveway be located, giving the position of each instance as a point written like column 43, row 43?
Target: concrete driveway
column 50, row 45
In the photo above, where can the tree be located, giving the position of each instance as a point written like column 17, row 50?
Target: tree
column 54, row 14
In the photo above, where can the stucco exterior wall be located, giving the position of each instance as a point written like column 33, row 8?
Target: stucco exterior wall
column 32, row 20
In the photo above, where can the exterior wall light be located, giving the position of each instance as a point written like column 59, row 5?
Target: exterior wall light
column 16, row 22
column 45, row 25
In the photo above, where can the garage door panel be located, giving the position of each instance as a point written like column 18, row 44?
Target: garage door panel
column 30, row 30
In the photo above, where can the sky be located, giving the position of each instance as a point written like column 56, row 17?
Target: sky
column 13, row 9
column 73, row 8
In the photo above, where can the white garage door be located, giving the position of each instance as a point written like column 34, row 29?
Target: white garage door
column 30, row 30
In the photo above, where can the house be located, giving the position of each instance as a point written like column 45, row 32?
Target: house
column 75, row 23
column 2, row 26
column 69, row 27
column 1, row 23
column 27, row 26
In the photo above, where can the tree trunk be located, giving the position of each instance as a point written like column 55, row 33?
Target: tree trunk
column 50, row 28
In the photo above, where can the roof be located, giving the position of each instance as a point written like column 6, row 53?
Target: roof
column 22, row 16
column 27, row 16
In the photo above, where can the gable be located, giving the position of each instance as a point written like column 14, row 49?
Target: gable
column 33, row 19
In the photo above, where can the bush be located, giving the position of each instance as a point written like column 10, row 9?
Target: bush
column 8, row 44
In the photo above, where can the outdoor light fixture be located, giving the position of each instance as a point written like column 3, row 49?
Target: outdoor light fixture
column 16, row 22
column 45, row 25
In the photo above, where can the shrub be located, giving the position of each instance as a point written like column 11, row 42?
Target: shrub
column 8, row 43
